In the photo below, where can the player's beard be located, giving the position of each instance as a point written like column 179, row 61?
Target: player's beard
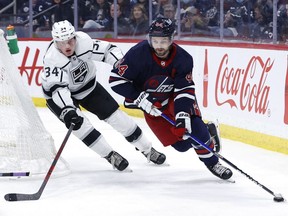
column 161, row 53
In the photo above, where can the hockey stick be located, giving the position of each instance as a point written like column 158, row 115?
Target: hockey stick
column 37, row 195
column 277, row 197
column 14, row 174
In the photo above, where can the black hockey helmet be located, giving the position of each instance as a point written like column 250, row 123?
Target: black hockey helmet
column 162, row 27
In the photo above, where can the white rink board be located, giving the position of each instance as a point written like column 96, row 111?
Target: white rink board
column 236, row 78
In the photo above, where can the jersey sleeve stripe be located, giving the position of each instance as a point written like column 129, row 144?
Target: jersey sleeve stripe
column 185, row 95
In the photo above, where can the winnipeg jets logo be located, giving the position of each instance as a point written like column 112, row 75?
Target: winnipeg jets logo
column 160, row 87
column 161, row 24
column 159, row 84
column 157, row 24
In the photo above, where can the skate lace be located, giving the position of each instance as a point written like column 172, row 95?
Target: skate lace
column 152, row 155
column 148, row 156
column 115, row 160
column 218, row 168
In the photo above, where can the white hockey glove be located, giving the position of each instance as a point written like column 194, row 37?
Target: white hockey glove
column 182, row 125
column 146, row 105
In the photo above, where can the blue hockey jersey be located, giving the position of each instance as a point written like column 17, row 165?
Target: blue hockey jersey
column 166, row 80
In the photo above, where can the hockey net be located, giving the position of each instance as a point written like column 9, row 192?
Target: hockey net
column 25, row 144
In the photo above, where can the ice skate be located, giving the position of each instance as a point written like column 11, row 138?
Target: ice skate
column 155, row 156
column 117, row 161
column 220, row 171
column 215, row 135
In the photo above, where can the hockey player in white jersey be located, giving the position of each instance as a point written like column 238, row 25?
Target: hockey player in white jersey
column 69, row 81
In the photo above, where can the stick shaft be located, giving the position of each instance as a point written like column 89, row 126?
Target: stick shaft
column 37, row 195
column 221, row 157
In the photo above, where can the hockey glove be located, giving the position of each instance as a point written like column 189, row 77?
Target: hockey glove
column 182, row 125
column 146, row 104
column 69, row 116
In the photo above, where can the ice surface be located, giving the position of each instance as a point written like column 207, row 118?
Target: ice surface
column 183, row 187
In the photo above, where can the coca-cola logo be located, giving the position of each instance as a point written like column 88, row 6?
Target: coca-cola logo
column 32, row 71
column 244, row 88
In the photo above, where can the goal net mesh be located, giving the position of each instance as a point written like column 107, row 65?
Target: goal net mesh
column 25, row 144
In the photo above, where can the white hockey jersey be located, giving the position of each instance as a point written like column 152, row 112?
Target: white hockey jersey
column 64, row 78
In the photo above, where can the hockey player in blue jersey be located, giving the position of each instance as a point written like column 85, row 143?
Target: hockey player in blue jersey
column 69, row 81
column 157, row 74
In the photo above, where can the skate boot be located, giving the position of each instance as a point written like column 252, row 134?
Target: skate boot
column 220, row 171
column 117, row 161
column 214, row 133
column 155, row 156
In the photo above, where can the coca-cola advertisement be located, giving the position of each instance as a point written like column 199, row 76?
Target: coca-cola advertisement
column 244, row 87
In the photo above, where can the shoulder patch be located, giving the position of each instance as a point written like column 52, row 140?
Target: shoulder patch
column 121, row 68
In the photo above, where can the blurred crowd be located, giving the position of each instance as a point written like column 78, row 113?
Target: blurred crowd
column 243, row 19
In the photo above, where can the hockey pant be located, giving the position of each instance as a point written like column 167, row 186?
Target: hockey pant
column 104, row 106
column 162, row 129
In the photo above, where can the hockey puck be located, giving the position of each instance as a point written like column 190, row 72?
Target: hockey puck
column 278, row 198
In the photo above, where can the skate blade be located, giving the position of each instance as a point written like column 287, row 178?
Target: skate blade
column 165, row 164
column 127, row 170
column 227, row 181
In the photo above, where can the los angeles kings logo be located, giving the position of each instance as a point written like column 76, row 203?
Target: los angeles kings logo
column 79, row 72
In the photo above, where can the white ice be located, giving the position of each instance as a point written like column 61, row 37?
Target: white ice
column 183, row 187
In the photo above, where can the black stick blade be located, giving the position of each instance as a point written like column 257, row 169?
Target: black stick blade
column 15, row 174
column 10, row 197
column 21, row 197
column 278, row 198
